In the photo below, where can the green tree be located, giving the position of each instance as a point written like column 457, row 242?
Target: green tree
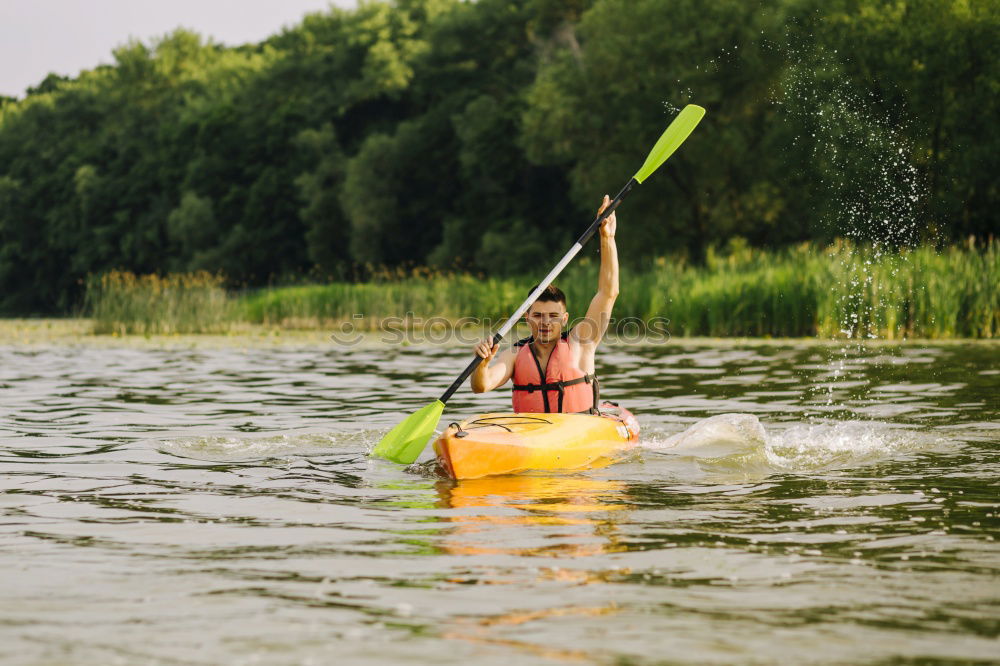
column 598, row 110
column 327, row 229
column 192, row 230
column 397, row 189
column 514, row 247
column 927, row 72
column 482, row 134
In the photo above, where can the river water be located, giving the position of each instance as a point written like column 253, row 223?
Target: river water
column 789, row 502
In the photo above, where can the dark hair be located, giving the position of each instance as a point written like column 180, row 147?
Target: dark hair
column 551, row 294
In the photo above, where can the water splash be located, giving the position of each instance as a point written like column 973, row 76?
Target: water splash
column 870, row 176
column 229, row 448
column 845, row 444
column 739, row 443
column 869, row 190
column 716, row 436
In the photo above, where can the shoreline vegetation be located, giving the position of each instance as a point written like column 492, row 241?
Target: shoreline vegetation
column 79, row 332
column 479, row 135
column 842, row 291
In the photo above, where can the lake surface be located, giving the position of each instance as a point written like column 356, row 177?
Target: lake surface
column 209, row 506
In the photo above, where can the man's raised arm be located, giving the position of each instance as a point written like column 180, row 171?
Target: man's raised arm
column 592, row 328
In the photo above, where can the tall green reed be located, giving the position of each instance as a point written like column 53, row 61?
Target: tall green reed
column 844, row 290
column 121, row 302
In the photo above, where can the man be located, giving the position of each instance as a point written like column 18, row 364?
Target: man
column 553, row 370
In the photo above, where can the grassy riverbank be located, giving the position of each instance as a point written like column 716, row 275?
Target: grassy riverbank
column 830, row 292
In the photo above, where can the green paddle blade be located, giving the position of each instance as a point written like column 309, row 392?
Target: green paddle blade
column 671, row 139
column 406, row 441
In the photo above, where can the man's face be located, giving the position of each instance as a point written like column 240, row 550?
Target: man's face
column 546, row 319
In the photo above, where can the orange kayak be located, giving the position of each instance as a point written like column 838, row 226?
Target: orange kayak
column 508, row 443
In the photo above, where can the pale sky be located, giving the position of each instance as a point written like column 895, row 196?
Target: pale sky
column 66, row 36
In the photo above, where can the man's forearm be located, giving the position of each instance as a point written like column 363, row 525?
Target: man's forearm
column 608, row 282
column 479, row 377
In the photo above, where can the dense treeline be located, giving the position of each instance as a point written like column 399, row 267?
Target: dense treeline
column 482, row 134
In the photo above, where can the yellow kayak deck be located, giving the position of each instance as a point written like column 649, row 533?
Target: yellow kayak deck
column 508, row 443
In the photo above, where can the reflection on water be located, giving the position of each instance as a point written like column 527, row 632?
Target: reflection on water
column 788, row 503
column 494, row 515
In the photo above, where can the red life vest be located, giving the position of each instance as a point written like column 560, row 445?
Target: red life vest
column 566, row 389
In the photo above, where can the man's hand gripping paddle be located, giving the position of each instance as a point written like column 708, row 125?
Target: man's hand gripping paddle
column 404, row 443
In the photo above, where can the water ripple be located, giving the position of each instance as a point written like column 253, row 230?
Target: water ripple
column 785, row 505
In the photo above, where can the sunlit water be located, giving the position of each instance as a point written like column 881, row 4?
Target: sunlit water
column 789, row 503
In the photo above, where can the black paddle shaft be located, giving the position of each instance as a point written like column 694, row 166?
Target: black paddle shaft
column 587, row 235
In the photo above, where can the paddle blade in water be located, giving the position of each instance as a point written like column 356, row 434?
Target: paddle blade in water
column 404, row 443
column 671, row 139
